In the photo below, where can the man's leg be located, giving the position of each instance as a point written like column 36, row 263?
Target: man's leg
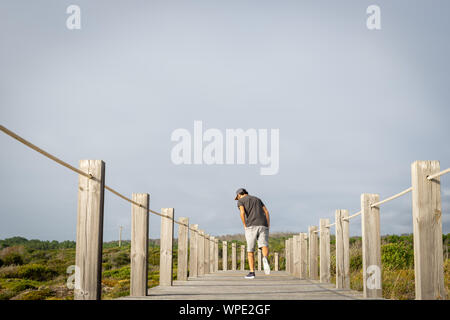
column 251, row 261
column 265, row 251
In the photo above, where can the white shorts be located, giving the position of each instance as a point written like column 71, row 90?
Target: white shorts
column 256, row 233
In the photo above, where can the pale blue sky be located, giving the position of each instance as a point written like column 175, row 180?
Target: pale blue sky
column 354, row 107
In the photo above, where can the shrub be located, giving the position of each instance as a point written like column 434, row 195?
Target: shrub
column 397, row 255
column 356, row 262
column 122, row 273
column 12, row 259
column 40, row 294
column 9, row 271
column 36, row 272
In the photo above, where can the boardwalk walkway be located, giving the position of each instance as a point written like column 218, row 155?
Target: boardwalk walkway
column 231, row 285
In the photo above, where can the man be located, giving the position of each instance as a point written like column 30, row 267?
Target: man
column 255, row 217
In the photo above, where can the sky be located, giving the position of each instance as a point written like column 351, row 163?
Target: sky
column 354, row 107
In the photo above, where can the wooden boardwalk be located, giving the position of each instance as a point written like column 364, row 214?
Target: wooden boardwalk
column 231, row 285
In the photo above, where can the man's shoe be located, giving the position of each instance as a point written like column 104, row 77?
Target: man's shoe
column 251, row 275
column 266, row 266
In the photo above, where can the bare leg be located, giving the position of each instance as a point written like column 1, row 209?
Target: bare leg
column 251, row 261
column 265, row 251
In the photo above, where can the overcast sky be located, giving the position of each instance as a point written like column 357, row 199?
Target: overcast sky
column 355, row 107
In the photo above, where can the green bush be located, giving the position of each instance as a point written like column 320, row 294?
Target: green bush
column 36, row 272
column 397, row 255
column 13, row 259
column 122, row 273
column 40, row 294
column 356, row 262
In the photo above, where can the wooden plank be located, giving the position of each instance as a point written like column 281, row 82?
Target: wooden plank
column 276, row 261
column 183, row 235
column 201, row 253
column 193, row 266
column 303, row 255
column 313, row 253
column 216, row 255
column 242, row 257
column 224, row 256
column 325, row 253
column 296, row 255
column 427, row 226
column 342, row 250
column 233, row 256
column 230, row 285
column 211, row 254
column 166, row 254
column 88, row 258
column 139, row 245
column 371, row 246
column 206, row 257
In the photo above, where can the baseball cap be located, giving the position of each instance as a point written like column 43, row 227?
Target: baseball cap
column 238, row 191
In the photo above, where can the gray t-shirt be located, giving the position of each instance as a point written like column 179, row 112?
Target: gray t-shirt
column 254, row 213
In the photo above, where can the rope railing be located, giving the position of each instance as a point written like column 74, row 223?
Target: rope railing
column 85, row 174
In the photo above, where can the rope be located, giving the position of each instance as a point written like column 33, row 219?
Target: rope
column 87, row 175
column 391, row 198
column 352, row 216
column 438, row 174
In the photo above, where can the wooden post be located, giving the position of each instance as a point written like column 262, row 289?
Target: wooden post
column 242, row 257
column 216, row 255
column 291, row 255
column 224, row 256
column 427, row 226
column 201, row 253
column 88, row 260
column 286, row 255
column 259, row 259
column 183, row 235
column 296, row 255
column 120, row 236
column 206, row 260
column 193, row 268
column 165, row 262
column 342, row 250
column 233, row 256
column 211, row 254
column 313, row 253
column 324, row 251
column 139, row 245
column 303, row 255
column 276, row 261
column 371, row 246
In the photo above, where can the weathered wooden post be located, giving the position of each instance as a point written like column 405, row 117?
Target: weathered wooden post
column 276, row 261
column 242, row 257
column 371, row 246
column 342, row 250
column 183, row 235
column 89, row 245
column 286, row 250
column 291, row 255
column 296, row 255
column 427, row 225
column 206, row 260
column 324, row 251
column 165, row 262
column 303, row 255
column 201, row 253
column 313, row 253
column 211, row 254
column 139, row 245
column 193, row 268
column 216, row 255
column 233, row 256
column 259, row 259
column 224, row 256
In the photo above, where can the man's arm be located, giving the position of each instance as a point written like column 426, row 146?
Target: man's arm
column 241, row 208
column 267, row 215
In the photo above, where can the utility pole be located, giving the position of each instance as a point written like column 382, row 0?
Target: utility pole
column 120, row 236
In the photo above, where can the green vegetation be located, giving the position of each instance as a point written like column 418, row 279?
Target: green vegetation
column 36, row 270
